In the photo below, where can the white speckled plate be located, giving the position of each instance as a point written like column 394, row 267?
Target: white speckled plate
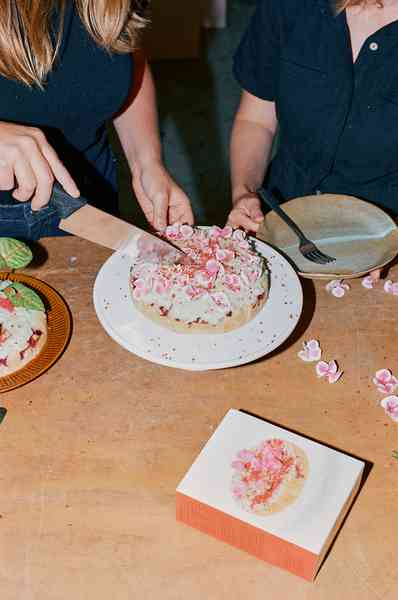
column 198, row 352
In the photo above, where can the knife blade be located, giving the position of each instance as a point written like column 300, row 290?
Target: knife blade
column 85, row 221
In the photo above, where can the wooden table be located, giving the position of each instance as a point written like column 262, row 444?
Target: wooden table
column 92, row 451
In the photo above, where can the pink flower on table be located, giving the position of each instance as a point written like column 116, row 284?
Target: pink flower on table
column 329, row 370
column 368, row 282
column 385, row 381
column 337, row 287
column 390, row 287
column 311, row 351
column 390, row 405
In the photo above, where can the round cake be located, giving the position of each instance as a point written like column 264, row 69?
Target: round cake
column 268, row 478
column 222, row 285
column 23, row 326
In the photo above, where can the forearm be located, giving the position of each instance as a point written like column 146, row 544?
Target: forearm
column 250, row 152
column 137, row 125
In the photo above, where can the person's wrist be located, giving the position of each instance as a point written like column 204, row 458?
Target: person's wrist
column 240, row 192
column 141, row 162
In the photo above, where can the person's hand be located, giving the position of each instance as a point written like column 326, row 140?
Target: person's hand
column 162, row 201
column 29, row 165
column 246, row 213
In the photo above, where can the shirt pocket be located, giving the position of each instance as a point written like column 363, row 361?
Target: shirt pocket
column 295, row 69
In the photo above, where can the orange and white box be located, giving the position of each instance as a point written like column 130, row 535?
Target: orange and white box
column 270, row 492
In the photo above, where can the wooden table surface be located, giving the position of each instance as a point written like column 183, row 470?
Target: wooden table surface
column 92, row 451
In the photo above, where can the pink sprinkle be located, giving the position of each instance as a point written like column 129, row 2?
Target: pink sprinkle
column 390, row 405
column 385, row 381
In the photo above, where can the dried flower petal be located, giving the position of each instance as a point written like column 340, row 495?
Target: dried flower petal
column 385, row 381
column 390, row 287
column 329, row 370
column 390, row 405
column 311, row 351
column 337, row 287
column 368, row 282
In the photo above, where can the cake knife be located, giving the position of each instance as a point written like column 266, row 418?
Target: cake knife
column 83, row 220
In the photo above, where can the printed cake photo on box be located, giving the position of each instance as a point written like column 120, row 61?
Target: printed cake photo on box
column 270, row 492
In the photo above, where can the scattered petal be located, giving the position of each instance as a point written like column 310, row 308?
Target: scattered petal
column 311, row 351
column 322, row 368
column 390, row 405
column 337, row 287
column 368, row 282
column 390, row 287
column 329, row 370
column 385, row 381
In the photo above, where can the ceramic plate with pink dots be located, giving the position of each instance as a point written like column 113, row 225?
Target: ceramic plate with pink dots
column 270, row 327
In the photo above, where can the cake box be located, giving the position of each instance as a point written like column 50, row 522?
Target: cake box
column 270, row 492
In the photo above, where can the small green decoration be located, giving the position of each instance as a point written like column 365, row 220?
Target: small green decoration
column 14, row 254
column 20, row 295
column 3, row 412
column 395, row 454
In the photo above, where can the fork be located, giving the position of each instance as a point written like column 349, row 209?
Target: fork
column 306, row 246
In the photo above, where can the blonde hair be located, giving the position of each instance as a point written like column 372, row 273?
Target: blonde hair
column 27, row 49
column 343, row 4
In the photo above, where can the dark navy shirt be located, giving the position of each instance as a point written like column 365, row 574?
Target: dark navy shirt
column 338, row 121
column 86, row 87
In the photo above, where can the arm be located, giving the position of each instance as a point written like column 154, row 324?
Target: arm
column 250, row 150
column 137, row 126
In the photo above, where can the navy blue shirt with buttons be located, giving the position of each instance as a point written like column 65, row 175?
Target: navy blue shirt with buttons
column 338, row 120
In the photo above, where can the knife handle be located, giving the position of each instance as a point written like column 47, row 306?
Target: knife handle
column 65, row 204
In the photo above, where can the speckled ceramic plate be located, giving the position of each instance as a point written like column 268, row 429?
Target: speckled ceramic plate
column 59, row 323
column 132, row 330
column 361, row 236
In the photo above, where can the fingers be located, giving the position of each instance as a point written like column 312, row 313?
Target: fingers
column 180, row 210
column 59, row 171
column 160, row 209
column 30, row 164
column 6, row 176
column 239, row 219
column 246, row 214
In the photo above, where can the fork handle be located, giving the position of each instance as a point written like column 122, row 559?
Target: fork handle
column 272, row 203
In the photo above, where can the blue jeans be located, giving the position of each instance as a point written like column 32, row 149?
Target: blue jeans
column 19, row 221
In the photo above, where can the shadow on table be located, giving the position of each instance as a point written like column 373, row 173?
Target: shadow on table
column 309, row 304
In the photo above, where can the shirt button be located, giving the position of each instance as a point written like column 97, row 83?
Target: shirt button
column 374, row 46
